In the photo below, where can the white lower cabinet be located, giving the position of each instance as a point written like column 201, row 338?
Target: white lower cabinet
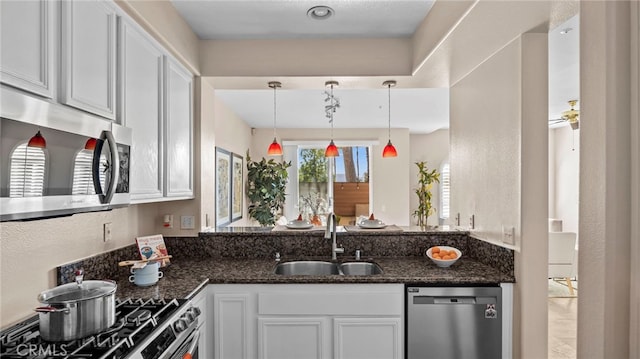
column 306, row 321
column 367, row 338
column 294, row 337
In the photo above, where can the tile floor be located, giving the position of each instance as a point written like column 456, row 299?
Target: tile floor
column 563, row 316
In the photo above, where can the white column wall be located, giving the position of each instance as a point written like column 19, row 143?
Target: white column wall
column 499, row 170
column 605, row 181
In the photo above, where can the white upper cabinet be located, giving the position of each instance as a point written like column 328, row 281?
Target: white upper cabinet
column 141, row 108
column 27, row 31
column 179, row 130
column 88, row 57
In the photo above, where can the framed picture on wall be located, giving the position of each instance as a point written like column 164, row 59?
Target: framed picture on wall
column 237, row 188
column 223, row 187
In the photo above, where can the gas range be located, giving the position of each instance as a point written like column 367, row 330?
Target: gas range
column 144, row 329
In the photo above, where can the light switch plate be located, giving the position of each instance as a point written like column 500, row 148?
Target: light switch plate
column 508, row 234
column 187, row 222
column 106, row 232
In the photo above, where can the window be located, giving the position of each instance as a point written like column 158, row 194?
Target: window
column 339, row 184
column 445, row 190
column 27, row 172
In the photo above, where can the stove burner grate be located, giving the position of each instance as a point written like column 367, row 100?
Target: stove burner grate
column 136, row 319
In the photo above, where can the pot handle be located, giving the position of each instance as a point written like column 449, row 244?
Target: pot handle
column 50, row 309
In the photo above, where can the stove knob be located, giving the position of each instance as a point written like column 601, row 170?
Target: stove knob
column 180, row 325
column 189, row 317
column 195, row 310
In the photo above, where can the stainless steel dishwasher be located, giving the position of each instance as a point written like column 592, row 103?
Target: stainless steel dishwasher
column 454, row 322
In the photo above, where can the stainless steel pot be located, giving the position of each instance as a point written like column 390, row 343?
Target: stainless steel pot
column 76, row 310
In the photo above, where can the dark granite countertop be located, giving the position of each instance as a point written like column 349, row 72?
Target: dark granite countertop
column 184, row 277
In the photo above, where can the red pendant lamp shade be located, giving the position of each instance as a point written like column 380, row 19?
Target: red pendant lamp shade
column 274, row 148
column 332, row 150
column 37, row 141
column 389, row 150
column 90, row 145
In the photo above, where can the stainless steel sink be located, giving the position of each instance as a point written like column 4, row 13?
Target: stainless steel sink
column 307, row 268
column 326, row 268
column 360, row 268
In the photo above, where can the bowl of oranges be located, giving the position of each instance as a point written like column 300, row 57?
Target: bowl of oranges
column 443, row 256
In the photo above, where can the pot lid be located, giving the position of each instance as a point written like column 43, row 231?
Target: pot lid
column 72, row 292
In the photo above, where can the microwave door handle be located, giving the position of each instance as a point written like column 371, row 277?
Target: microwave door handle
column 105, row 196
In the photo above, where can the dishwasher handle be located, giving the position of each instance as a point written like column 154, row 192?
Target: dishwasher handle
column 454, row 300
column 429, row 299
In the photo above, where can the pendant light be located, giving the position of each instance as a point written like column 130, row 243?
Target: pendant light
column 389, row 150
column 90, row 144
column 332, row 150
column 37, row 141
column 274, row 148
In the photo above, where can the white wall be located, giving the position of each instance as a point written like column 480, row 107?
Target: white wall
column 434, row 149
column 220, row 127
column 32, row 250
column 564, row 168
column 389, row 176
column 499, row 170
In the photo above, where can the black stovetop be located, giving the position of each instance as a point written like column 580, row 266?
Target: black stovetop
column 136, row 319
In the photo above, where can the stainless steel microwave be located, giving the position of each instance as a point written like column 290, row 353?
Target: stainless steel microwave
column 76, row 163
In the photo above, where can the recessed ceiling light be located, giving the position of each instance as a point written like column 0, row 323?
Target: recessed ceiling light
column 566, row 31
column 320, row 12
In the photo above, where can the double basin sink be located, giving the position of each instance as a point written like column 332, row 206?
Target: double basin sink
column 327, row 268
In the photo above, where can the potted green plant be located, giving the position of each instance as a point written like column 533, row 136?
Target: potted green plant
column 426, row 178
column 266, row 184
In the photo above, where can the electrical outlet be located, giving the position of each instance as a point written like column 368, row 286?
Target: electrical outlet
column 187, row 222
column 106, row 233
column 508, row 234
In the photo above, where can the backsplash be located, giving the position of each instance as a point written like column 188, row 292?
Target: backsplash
column 100, row 266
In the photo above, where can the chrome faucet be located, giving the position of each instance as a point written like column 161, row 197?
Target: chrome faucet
column 330, row 233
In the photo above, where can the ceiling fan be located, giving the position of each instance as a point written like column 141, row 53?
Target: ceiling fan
column 571, row 116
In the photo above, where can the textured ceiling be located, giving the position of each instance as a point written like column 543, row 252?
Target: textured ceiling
column 269, row 19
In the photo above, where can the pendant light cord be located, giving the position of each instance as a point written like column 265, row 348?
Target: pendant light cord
column 389, row 97
column 274, row 111
column 332, row 110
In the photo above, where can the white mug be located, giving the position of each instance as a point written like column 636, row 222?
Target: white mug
column 146, row 276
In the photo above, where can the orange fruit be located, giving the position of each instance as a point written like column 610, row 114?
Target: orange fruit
column 453, row 255
column 446, row 258
column 435, row 255
column 435, row 250
column 444, row 252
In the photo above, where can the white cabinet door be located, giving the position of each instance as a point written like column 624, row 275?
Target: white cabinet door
column 232, row 319
column 179, row 131
column 27, row 35
column 367, row 338
column 294, row 338
column 140, row 108
column 89, row 56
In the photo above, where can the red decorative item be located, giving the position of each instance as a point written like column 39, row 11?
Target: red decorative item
column 332, row 150
column 274, row 149
column 37, row 141
column 389, row 150
column 91, row 144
